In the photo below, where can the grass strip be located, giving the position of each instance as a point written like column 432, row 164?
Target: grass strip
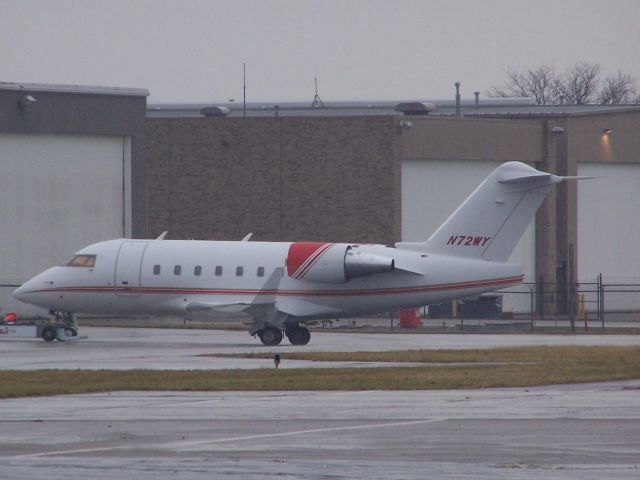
column 554, row 365
column 556, row 355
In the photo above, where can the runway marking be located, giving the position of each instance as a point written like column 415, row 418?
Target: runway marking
column 237, row 439
column 81, row 450
column 315, row 430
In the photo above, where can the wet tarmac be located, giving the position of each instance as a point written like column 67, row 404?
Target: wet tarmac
column 175, row 349
column 567, row 432
column 586, row 431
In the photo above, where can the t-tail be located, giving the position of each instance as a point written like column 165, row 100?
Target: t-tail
column 491, row 221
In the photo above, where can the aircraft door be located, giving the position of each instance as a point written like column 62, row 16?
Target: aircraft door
column 128, row 265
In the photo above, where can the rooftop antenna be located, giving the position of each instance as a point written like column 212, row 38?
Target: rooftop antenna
column 244, row 90
column 458, row 111
column 317, row 101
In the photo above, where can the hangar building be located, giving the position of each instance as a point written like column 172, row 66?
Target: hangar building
column 72, row 173
column 387, row 172
column 83, row 164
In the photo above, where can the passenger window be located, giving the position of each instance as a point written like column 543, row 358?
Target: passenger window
column 197, row 271
column 177, row 270
column 218, row 271
column 261, row 271
column 156, row 269
column 239, row 271
column 82, row 261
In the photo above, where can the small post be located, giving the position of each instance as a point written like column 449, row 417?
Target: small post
column 540, row 294
column 391, row 320
column 586, row 320
column 600, row 300
column 276, row 360
column 531, row 290
column 572, row 290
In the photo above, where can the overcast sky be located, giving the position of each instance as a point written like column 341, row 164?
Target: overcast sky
column 193, row 50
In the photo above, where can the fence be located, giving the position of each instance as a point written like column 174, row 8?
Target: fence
column 597, row 300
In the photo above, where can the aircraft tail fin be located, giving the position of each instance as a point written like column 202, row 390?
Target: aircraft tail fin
column 491, row 221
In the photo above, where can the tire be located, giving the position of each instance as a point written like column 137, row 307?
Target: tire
column 270, row 336
column 71, row 332
column 48, row 334
column 298, row 335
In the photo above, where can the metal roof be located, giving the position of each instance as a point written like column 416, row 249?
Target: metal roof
column 547, row 110
column 80, row 89
column 338, row 108
column 491, row 107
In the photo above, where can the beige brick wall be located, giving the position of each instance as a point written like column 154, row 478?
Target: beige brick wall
column 473, row 139
column 286, row 178
column 587, row 142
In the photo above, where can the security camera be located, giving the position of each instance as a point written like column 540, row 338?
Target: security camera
column 406, row 125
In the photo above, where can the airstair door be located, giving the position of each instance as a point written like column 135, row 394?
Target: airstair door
column 128, row 266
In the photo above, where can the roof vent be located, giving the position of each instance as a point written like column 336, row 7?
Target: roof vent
column 215, row 111
column 415, row 108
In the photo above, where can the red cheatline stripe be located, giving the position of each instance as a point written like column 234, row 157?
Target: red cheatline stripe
column 310, row 262
column 292, row 293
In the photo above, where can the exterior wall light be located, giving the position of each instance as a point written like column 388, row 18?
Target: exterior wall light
column 26, row 101
column 607, row 131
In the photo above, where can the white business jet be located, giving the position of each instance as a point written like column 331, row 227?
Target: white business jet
column 284, row 285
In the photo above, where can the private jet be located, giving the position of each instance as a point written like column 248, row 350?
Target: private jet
column 284, row 286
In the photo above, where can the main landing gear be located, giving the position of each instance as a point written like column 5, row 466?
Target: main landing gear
column 298, row 335
column 272, row 336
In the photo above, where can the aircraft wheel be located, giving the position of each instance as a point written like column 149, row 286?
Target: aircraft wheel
column 71, row 332
column 298, row 335
column 270, row 336
column 48, row 334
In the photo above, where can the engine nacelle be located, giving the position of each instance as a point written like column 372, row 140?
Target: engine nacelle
column 333, row 262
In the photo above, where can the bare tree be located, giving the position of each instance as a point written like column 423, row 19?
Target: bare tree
column 579, row 85
column 538, row 83
column 619, row 88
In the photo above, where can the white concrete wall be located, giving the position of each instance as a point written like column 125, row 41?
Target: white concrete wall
column 433, row 189
column 59, row 194
column 608, row 229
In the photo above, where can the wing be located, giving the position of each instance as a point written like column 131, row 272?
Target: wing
column 267, row 298
column 195, row 307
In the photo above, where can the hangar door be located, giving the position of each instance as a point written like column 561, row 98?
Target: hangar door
column 59, row 194
column 433, row 189
column 608, row 232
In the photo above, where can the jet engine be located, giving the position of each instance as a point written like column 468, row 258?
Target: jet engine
column 333, row 262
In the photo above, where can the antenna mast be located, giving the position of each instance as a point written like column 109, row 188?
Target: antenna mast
column 317, row 101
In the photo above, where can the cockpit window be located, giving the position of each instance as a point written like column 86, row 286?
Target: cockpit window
column 82, row 261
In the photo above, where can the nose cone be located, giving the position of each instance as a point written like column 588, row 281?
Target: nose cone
column 31, row 290
column 21, row 293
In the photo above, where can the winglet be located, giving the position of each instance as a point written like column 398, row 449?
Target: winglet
column 162, row 235
column 247, row 237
